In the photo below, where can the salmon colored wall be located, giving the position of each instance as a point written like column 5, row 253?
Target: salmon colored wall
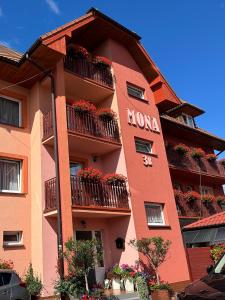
column 151, row 184
column 15, row 208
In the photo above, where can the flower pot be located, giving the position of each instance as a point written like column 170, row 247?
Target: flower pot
column 116, row 284
column 129, row 285
column 160, row 295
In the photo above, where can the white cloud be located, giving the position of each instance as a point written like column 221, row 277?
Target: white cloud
column 53, row 6
column 5, row 43
column 1, row 12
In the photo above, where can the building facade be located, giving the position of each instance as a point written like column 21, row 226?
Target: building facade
column 115, row 75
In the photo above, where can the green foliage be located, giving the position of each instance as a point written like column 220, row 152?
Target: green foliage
column 161, row 286
column 33, row 282
column 142, row 288
column 154, row 249
column 217, row 251
column 71, row 285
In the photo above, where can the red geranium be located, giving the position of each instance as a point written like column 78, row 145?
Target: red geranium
column 101, row 60
column 207, row 199
column 114, row 178
column 211, row 157
column 84, row 106
column 6, row 264
column 90, row 174
column 191, row 196
column 197, row 153
column 78, row 50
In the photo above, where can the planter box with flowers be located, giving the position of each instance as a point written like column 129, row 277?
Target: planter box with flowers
column 191, row 196
column 182, row 149
column 6, row 264
column 114, row 179
column 84, row 106
column 102, row 62
column 106, row 114
column 161, row 291
column 89, row 174
column 220, row 200
column 77, row 51
column 211, row 157
column 207, row 199
column 197, row 153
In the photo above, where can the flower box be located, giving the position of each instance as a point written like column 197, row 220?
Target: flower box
column 191, row 196
column 114, row 178
column 77, row 51
column 90, row 174
column 182, row 149
column 106, row 113
column 207, row 199
column 197, row 153
column 211, row 157
column 6, row 264
column 102, row 61
column 84, row 106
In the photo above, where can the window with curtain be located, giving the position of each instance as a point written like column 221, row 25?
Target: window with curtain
column 154, row 214
column 10, row 112
column 10, row 177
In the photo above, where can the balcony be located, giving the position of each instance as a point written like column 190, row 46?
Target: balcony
column 87, row 196
column 84, row 79
column 189, row 167
column 86, row 132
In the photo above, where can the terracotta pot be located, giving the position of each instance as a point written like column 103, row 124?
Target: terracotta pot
column 160, row 295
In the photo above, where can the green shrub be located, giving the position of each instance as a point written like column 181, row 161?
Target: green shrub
column 33, row 282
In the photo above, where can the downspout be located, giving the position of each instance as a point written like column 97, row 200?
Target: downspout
column 48, row 73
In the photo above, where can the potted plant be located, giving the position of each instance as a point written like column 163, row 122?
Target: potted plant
column 197, row 153
column 114, row 178
column 115, row 275
column 207, row 199
column 181, row 149
column 33, row 283
column 192, row 196
column 211, row 157
column 128, row 275
column 142, row 285
column 220, row 200
column 90, row 174
column 102, row 62
column 6, row 264
column 83, row 106
column 154, row 249
column 77, row 51
column 106, row 114
column 161, row 291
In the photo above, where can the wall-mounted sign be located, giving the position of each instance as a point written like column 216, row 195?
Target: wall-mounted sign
column 147, row 161
column 143, row 121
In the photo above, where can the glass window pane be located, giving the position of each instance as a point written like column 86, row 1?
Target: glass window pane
column 74, row 168
column 154, row 214
column 5, row 278
column 10, row 175
column 143, row 146
column 9, row 112
column 134, row 91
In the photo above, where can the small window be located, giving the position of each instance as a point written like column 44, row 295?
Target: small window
column 188, row 120
column 154, row 214
column 5, row 278
column 135, row 91
column 10, row 111
column 10, row 176
column 12, row 238
column 143, row 146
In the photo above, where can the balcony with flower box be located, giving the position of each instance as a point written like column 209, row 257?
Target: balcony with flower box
column 102, row 198
column 192, row 163
column 88, row 131
column 87, row 75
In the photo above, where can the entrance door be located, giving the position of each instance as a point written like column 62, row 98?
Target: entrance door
column 99, row 273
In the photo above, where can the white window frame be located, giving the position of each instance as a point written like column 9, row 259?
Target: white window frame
column 131, row 86
column 19, row 241
column 19, row 176
column 190, row 120
column 143, row 142
column 161, row 206
column 20, row 109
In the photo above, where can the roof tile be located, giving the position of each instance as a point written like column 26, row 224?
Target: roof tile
column 212, row 221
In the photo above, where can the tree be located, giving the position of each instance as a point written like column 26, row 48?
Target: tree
column 154, row 249
column 81, row 257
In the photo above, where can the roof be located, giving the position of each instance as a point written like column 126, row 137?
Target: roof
column 219, row 143
column 185, row 107
column 212, row 221
column 10, row 53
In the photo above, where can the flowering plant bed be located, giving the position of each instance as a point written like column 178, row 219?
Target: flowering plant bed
column 90, row 174
column 78, row 51
column 220, row 200
column 197, row 153
column 106, row 113
column 102, row 61
column 222, row 162
column 84, row 106
column 182, row 149
column 207, row 199
column 114, row 178
column 192, row 196
column 211, row 157
column 6, row 264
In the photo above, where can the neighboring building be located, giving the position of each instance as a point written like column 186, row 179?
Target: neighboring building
column 197, row 182
column 132, row 145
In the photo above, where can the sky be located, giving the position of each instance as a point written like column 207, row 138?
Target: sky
column 185, row 38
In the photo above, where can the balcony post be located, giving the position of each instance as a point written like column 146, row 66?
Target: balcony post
column 63, row 153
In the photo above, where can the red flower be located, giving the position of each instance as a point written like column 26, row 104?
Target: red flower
column 114, row 178
column 103, row 61
column 78, row 50
column 211, row 157
column 6, row 264
column 90, row 174
column 192, row 196
column 197, row 153
column 84, row 106
column 207, row 198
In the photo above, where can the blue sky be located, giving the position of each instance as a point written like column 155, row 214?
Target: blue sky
column 186, row 39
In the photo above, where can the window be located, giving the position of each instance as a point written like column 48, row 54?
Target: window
column 186, row 119
column 10, row 175
column 135, row 91
column 154, row 214
column 75, row 168
column 206, row 190
column 5, row 278
column 143, row 146
column 10, row 111
column 12, row 238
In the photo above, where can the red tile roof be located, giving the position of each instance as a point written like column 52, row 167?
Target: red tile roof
column 212, row 221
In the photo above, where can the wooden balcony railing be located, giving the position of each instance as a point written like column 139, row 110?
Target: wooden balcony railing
column 88, row 194
column 190, row 164
column 89, row 70
column 84, row 123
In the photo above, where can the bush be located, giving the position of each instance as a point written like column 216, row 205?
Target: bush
column 71, row 285
column 33, row 282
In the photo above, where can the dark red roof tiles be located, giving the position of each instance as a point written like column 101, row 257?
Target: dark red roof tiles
column 212, row 221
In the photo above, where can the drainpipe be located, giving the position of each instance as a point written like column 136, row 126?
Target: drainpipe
column 48, row 73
